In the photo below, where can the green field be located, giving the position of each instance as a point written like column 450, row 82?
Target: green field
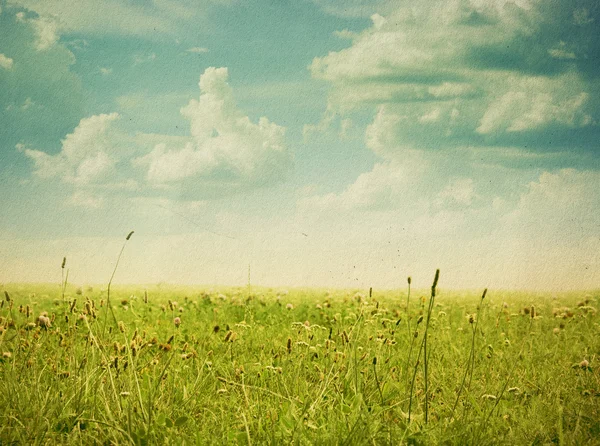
column 180, row 365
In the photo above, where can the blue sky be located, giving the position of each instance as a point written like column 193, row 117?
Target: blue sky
column 325, row 143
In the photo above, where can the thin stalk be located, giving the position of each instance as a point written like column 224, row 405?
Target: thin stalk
column 62, row 278
column 377, row 379
column 425, row 357
column 408, row 327
column 421, row 350
column 471, row 360
column 508, row 378
column 110, row 283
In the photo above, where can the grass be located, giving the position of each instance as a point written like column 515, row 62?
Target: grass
column 333, row 367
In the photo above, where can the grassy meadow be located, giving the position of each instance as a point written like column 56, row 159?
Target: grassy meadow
column 175, row 365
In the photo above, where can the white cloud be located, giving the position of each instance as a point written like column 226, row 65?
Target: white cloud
column 5, row 62
column 561, row 52
column 85, row 156
column 432, row 116
column 448, row 72
column 197, row 50
column 226, row 152
column 536, row 102
column 581, row 16
column 144, row 58
column 388, row 185
column 46, row 29
column 225, row 144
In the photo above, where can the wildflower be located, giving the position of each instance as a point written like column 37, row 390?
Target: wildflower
column 44, row 321
column 556, row 330
column 177, row 321
column 6, row 355
column 584, row 364
column 289, row 306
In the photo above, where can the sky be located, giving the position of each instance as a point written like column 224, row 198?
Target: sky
column 317, row 143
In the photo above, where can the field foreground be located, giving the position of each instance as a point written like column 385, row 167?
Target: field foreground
column 246, row 365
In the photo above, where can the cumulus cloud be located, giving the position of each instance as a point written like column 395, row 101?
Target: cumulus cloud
column 536, row 102
column 225, row 153
column 225, row 147
column 389, row 185
column 469, row 72
column 197, row 50
column 6, row 63
column 46, row 29
column 86, row 156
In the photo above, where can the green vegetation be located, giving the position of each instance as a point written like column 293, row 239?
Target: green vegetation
column 248, row 365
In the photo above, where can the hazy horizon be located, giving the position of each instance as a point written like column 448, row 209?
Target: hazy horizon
column 326, row 144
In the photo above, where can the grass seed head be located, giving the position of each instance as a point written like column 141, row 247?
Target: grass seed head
column 44, row 321
column 177, row 322
column 7, row 296
column 289, row 345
